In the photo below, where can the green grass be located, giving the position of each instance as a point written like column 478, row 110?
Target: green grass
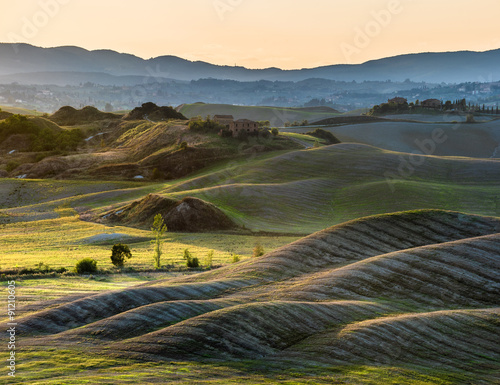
column 311, row 140
column 81, row 366
column 22, row 111
column 62, row 242
column 306, row 191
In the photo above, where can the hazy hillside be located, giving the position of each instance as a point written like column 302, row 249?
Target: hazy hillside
column 480, row 140
column 276, row 115
column 454, row 67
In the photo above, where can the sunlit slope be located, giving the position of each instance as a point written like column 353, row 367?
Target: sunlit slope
column 414, row 288
column 305, row 191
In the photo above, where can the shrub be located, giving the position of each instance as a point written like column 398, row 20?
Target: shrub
column 183, row 146
column 236, row 258
column 275, row 131
column 12, row 165
column 470, row 119
column 258, row 250
column 118, row 254
column 86, row 265
column 157, row 174
column 191, row 262
column 323, row 134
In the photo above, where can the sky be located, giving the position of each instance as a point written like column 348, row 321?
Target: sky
column 288, row 34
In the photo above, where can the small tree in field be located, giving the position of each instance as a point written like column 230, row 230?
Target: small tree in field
column 258, row 250
column 158, row 229
column 275, row 131
column 118, row 254
column 209, row 260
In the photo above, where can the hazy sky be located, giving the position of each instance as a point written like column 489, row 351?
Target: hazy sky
column 257, row 33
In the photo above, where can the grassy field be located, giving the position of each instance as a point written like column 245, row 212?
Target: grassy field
column 22, row 111
column 43, row 367
column 276, row 115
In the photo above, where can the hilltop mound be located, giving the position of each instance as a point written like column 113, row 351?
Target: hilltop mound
column 151, row 111
column 187, row 215
column 69, row 116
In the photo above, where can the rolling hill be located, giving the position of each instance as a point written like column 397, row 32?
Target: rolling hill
column 409, row 290
column 276, row 115
column 479, row 140
column 453, row 67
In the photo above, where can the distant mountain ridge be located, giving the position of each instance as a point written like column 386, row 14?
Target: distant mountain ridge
column 19, row 60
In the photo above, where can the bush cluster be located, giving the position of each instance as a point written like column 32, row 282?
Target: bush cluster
column 86, row 265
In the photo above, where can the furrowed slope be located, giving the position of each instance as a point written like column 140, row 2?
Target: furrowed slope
column 304, row 191
column 379, row 266
column 248, row 331
column 459, row 339
column 463, row 273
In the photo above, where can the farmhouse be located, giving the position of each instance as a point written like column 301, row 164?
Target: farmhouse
column 398, row 100
column 237, row 126
column 244, row 125
column 432, row 103
column 225, row 120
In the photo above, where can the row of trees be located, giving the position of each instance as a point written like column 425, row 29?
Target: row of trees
column 459, row 105
column 120, row 253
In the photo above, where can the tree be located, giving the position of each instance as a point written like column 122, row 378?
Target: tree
column 118, row 254
column 258, row 250
column 158, row 229
column 209, row 259
column 275, row 131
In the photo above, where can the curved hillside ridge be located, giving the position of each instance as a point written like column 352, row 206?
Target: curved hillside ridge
column 465, row 272
column 247, row 331
column 142, row 320
column 363, row 161
column 94, row 308
column 459, row 339
column 361, row 239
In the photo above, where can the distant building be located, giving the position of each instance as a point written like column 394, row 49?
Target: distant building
column 431, row 103
column 237, row 126
column 225, row 120
column 398, row 100
column 244, row 125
